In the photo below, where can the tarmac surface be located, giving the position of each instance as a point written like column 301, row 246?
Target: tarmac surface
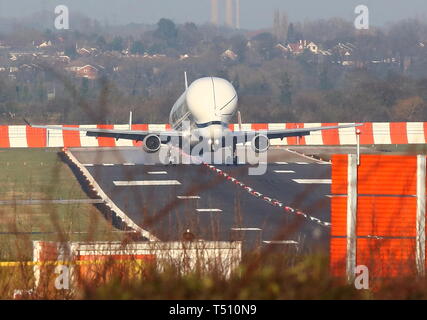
column 168, row 200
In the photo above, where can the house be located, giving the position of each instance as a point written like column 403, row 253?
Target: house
column 344, row 49
column 283, row 49
column 229, row 55
column 302, row 45
column 45, row 44
column 296, row 48
column 64, row 59
column 84, row 52
column 314, row 48
column 88, row 71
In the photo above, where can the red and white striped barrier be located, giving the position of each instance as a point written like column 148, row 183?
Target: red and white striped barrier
column 371, row 133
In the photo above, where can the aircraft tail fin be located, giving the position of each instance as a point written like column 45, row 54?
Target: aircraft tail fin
column 186, row 80
column 239, row 120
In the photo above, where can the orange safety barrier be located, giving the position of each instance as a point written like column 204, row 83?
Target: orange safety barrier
column 385, row 218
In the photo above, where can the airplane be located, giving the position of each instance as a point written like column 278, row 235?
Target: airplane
column 207, row 105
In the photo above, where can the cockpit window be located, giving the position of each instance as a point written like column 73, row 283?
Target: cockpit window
column 179, row 113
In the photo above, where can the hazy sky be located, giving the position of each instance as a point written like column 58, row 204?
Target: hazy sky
column 254, row 13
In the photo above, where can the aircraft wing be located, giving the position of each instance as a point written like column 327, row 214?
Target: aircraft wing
column 297, row 132
column 137, row 135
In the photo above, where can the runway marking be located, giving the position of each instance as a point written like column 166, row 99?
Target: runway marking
column 157, row 172
column 284, row 171
column 88, row 165
column 300, row 162
column 208, row 210
column 313, row 181
column 146, row 183
column 281, row 242
column 187, row 197
column 280, row 163
column 128, row 164
column 108, row 164
column 246, row 229
column 335, row 195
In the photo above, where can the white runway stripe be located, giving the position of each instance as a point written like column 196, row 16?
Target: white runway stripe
column 157, row 172
column 108, row 164
column 281, row 162
column 301, row 162
column 146, row 183
column 187, row 197
column 128, row 164
column 246, row 229
column 209, row 210
column 313, row 181
column 88, row 165
column 284, row 171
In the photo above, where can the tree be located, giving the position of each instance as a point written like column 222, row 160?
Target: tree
column 280, row 27
column 101, row 43
column 292, row 36
column 84, row 90
column 166, row 30
column 137, row 48
column 324, row 82
column 265, row 44
column 70, row 50
column 285, row 89
column 117, row 44
column 409, row 109
column 238, row 45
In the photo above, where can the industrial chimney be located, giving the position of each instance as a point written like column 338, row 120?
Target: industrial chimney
column 237, row 14
column 214, row 12
column 229, row 16
column 232, row 13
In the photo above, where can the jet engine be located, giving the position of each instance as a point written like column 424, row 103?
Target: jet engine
column 151, row 143
column 260, row 143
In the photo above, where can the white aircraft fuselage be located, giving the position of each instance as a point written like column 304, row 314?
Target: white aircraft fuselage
column 207, row 105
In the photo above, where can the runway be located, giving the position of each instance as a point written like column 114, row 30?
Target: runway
column 167, row 200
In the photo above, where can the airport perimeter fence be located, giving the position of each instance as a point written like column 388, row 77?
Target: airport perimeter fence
column 381, row 133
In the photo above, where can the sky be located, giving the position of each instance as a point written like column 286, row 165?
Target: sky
column 255, row 14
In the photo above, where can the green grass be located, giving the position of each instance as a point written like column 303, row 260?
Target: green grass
column 36, row 174
column 39, row 174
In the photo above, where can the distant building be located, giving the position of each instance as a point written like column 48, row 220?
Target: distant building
column 229, row 55
column 45, row 44
column 83, row 52
column 302, row 45
column 296, row 48
column 88, row 71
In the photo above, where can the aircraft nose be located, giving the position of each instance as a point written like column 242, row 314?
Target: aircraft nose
column 211, row 97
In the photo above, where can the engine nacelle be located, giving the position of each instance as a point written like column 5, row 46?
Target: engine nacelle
column 151, row 143
column 260, row 143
